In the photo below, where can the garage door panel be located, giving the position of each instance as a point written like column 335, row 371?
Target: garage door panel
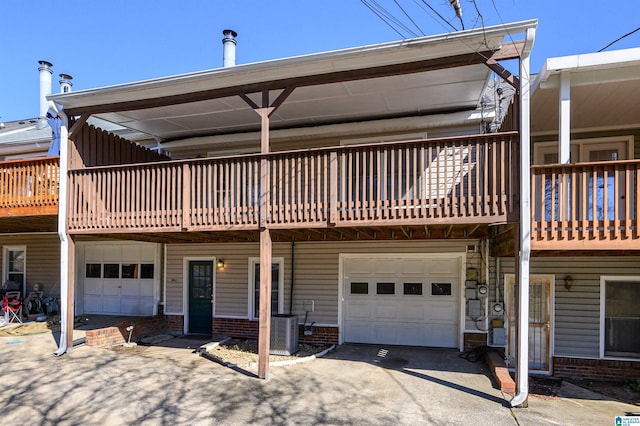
column 130, row 306
column 92, row 287
column 385, row 333
column 445, row 312
column 111, row 253
column 92, row 304
column 442, row 336
column 358, row 332
column 385, row 267
column 146, row 288
column 386, row 311
column 111, row 305
column 130, row 288
column 412, row 267
column 111, row 287
column 358, row 267
column 359, row 310
column 412, row 334
column 412, row 312
column 146, row 305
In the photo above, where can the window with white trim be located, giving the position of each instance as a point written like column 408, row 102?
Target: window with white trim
column 277, row 286
column 621, row 317
column 586, row 150
column 15, row 265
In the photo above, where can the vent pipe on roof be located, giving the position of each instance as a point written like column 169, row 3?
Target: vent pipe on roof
column 45, row 87
column 65, row 83
column 229, row 48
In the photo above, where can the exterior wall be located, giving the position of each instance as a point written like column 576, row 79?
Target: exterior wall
column 316, row 273
column 43, row 260
column 577, row 311
column 596, row 368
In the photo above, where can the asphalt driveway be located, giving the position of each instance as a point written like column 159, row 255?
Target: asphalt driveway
column 356, row 384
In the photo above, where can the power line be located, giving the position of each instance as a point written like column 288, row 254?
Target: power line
column 430, row 14
column 440, row 16
column 618, row 39
column 382, row 18
column 407, row 15
column 391, row 17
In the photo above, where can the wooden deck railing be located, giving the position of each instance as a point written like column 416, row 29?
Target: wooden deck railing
column 586, row 206
column 29, row 187
column 469, row 179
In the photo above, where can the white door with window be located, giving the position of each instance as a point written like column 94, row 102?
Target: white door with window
column 15, row 267
column 277, row 286
column 118, row 279
column 540, row 321
column 402, row 299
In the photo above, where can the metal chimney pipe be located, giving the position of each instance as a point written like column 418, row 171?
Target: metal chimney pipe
column 229, row 48
column 45, row 86
column 65, row 83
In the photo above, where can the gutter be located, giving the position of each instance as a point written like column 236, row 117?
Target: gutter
column 66, row 325
column 522, row 361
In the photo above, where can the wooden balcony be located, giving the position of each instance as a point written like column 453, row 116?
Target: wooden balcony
column 468, row 180
column 586, row 206
column 29, row 187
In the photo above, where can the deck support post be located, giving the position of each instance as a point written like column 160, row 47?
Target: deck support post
column 264, row 325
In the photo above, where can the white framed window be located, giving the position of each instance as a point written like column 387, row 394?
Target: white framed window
column 587, row 150
column 277, row 286
column 619, row 317
column 15, row 265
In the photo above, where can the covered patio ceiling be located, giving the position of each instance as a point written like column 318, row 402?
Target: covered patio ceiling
column 602, row 88
column 434, row 74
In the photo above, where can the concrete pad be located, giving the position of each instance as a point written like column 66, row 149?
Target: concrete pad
column 355, row 384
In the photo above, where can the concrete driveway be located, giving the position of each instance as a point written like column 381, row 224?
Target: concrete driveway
column 353, row 385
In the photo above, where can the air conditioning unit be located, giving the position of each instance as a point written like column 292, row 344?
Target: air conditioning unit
column 284, row 335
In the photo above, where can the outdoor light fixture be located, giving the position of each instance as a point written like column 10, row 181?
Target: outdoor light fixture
column 568, row 282
column 220, row 264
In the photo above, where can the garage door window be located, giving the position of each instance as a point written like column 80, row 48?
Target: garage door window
column 111, row 270
column 413, row 289
column 93, row 270
column 359, row 288
column 386, row 288
column 441, row 289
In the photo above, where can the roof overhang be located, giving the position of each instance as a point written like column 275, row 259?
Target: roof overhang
column 434, row 74
column 600, row 88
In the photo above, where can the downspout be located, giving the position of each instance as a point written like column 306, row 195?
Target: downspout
column 66, row 325
column 522, row 362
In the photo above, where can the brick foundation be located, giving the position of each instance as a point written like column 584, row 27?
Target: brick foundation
column 247, row 329
column 118, row 334
column 474, row 340
column 174, row 323
column 597, row 369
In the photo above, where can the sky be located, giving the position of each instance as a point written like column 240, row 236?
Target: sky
column 101, row 43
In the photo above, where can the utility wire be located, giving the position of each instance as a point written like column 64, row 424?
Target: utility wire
column 407, row 15
column 388, row 17
column 382, row 18
column 440, row 16
column 421, row 6
column 617, row 40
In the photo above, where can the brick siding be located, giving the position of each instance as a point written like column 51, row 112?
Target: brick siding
column 474, row 340
column 598, row 369
column 248, row 329
column 118, row 334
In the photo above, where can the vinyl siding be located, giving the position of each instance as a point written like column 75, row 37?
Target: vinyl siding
column 577, row 311
column 43, row 260
column 316, row 272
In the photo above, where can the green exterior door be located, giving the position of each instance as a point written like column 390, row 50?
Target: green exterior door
column 200, row 296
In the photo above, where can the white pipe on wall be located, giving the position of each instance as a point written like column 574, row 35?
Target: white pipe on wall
column 522, row 361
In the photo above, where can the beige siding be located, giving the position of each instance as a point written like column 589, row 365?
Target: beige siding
column 577, row 312
column 43, row 260
column 316, row 272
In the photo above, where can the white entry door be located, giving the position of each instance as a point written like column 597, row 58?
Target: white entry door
column 402, row 300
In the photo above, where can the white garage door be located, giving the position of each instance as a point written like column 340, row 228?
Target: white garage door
column 119, row 279
column 402, row 300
